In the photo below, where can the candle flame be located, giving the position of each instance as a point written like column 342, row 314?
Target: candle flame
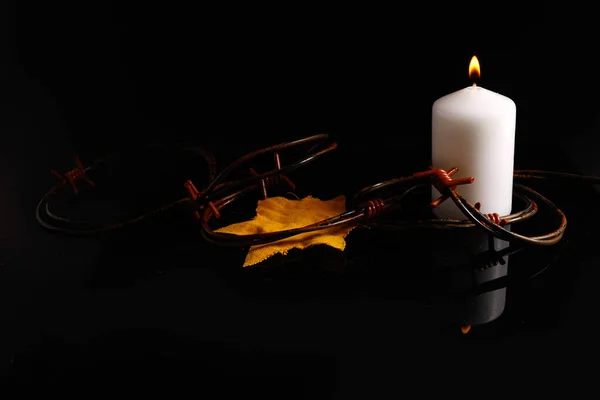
column 465, row 329
column 474, row 68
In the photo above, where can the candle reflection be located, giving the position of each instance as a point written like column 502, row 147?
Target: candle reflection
column 491, row 259
column 487, row 306
column 480, row 283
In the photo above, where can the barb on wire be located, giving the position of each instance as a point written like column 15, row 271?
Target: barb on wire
column 73, row 176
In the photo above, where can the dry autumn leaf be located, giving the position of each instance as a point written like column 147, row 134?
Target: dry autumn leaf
column 278, row 213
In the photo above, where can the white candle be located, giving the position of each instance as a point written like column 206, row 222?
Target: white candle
column 473, row 130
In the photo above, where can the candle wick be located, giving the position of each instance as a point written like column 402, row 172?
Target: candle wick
column 474, row 84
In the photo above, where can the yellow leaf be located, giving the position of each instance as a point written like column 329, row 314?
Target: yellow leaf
column 278, row 213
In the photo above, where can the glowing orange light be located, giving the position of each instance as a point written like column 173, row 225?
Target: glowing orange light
column 465, row 329
column 474, row 68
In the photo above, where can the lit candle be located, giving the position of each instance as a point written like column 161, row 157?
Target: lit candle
column 473, row 130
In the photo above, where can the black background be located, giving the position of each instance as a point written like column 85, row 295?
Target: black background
column 237, row 78
column 123, row 72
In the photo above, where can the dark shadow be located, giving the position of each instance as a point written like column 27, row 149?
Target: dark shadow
column 130, row 358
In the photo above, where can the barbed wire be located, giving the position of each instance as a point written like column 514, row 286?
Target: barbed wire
column 365, row 208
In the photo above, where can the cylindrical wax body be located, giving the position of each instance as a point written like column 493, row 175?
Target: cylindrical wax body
column 473, row 129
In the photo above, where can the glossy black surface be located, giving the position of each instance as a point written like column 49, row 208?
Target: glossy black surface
column 155, row 304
